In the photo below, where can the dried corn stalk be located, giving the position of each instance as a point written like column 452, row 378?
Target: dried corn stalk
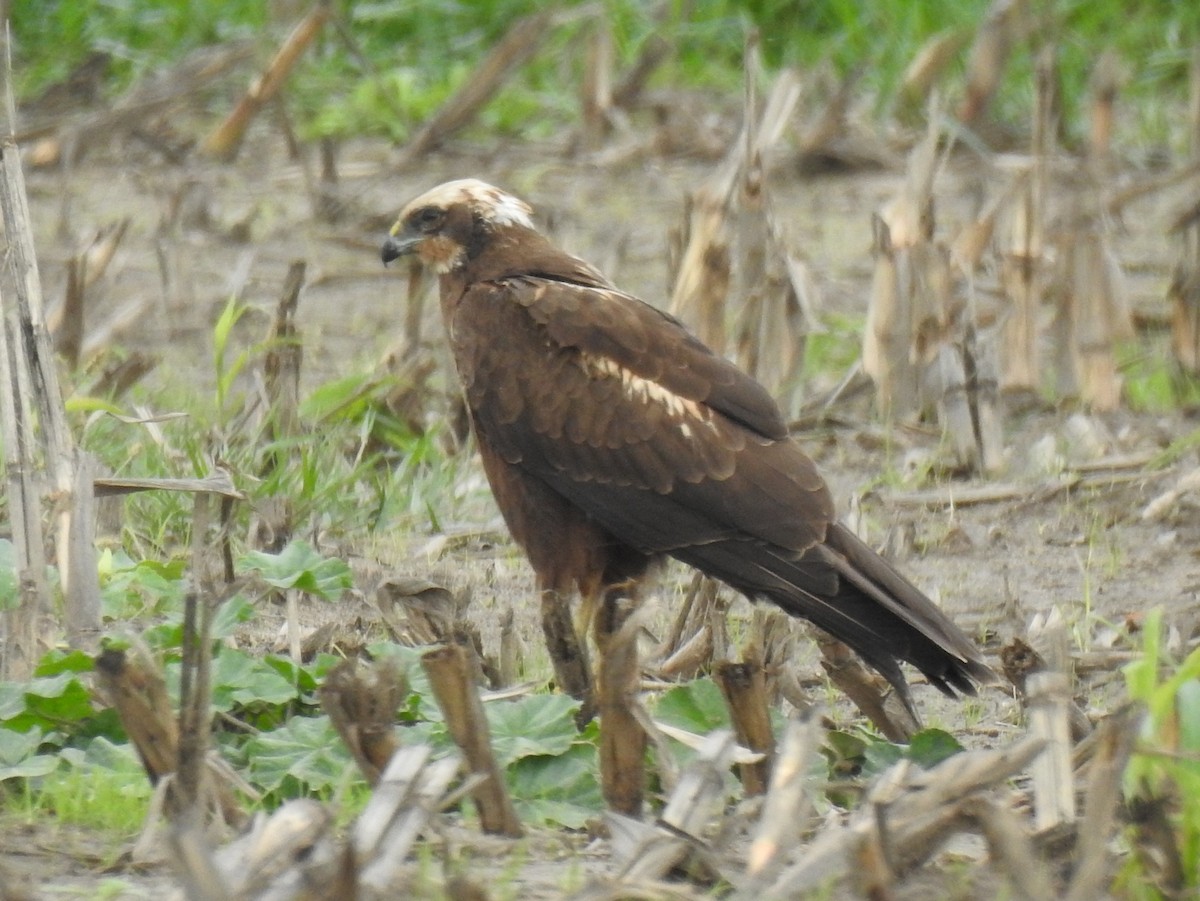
column 731, row 240
column 1023, row 265
column 1184, row 291
column 1093, row 312
column 770, row 320
column 911, row 307
column 1093, row 316
column 989, row 55
column 932, row 59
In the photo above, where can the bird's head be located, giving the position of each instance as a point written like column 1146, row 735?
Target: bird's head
column 445, row 225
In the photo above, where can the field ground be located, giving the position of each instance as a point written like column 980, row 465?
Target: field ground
column 1083, row 549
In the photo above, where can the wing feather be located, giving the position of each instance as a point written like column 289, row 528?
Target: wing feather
column 607, row 324
column 676, row 469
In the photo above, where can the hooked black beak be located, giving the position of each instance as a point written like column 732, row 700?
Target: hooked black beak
column 397, row 246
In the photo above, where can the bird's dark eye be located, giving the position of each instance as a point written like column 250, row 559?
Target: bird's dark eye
column 428, row 218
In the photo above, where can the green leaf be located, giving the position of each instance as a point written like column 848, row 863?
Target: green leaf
column 53, row 702
column 231, row 614
column 532, row 725
column 560, row 790
column 1187, row 703
column 846, row 753
column 696, row 706
column 878, row 755
column 10, row 583
column 306, row 751
column 229, row 317
column 55, row 662
column 129, row 588
column 299, row 566
column 929, row 747
column 241, row 680
column 337, row 396
column 31, row 768
column 113, row 757
column 421, row 704
column 12, row 699
column 18, row 746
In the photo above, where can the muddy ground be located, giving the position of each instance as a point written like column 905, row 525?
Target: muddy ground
column 217, row 229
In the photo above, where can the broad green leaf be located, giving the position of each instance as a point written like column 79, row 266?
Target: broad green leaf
column 18, row 746
column 129, row 588
column 532, row 725
column 30, row 768
column 929, row 747
column 112, row 756
column 565, row 814
column 55, row 662
column 421, row 703
column 230, row 615
column 877, row 756
column 239, row 679
column 845, row 752
column 305, row 749
column 559, row 790
column 299, row 566
column 12, row 700
column 696, row 706
column 53, row 702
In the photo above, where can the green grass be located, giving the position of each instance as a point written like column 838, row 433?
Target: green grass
column 104, row 790
column 422, row 52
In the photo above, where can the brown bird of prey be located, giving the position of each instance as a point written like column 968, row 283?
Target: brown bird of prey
column 612, row 437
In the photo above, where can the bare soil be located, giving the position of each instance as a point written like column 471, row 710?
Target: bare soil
column 1084, row 550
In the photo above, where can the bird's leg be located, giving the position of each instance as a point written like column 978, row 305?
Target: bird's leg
column 568, row 655
column 618, row 674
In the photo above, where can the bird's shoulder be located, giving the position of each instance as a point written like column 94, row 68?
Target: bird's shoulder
column 571, row 311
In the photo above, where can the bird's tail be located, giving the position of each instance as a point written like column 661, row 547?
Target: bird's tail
column 859, row 598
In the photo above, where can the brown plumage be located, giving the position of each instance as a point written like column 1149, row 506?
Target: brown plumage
column 612, row 437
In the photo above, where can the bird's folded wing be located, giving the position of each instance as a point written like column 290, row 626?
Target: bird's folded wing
column 634, row 421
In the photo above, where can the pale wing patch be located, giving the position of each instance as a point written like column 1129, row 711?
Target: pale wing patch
column 683, row 412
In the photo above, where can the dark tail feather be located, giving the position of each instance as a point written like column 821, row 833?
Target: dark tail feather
column 859, row 598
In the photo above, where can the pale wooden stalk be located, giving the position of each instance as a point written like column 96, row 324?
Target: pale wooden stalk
column 450, row 671
column 931, row 60
column 1022, row 272
column 596, row 90
column 920, row 809
column 518, row 45
column 988, row 57
column 1011, row 850
column 32, row 395
column 786, row 805
column 1116, row 737
column 1105, row 83
column 877, row 700
column 910, row 311
column 223, row 143
column 743, row 686
column 1053, row 779
column 362, row 702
